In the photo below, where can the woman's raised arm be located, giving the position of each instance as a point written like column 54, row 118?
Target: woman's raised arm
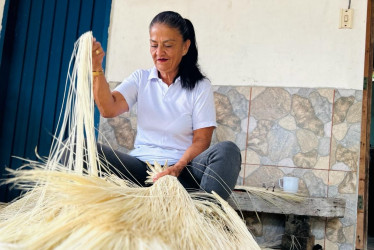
column 110, row 104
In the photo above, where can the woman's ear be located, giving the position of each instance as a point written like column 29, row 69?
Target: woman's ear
column 186, row 46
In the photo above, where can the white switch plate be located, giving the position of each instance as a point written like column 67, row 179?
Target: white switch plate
column 346, row 16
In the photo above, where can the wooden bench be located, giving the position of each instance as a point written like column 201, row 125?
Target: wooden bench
column 310, row 206
column 297, row 213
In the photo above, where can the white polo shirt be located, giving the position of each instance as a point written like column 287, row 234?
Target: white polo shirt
column 166, row 115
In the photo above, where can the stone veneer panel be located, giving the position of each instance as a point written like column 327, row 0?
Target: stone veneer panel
column 317, row 228
column 342, row 182
column 344, row 158
column 119, row 132
column 232, row 104
column 346, row 130
column 245, row 172
column 290, row 127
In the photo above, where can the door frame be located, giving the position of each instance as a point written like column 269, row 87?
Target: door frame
column 363, row 174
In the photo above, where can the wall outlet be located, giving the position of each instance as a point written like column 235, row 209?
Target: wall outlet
column 346, row 16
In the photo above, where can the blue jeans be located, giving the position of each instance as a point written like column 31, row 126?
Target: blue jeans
column 216, row 169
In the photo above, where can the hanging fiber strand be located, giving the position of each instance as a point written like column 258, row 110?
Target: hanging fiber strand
column 76, row 205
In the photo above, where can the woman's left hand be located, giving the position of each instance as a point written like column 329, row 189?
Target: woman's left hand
column 200, row 142
column 174, row 170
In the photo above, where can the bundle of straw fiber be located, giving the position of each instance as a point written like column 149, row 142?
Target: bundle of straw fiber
column 75, row 207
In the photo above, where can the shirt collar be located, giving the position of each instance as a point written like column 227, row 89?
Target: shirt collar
column 154, row 75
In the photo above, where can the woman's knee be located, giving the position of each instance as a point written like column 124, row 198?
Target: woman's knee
column 231, row 152
column 229, row 148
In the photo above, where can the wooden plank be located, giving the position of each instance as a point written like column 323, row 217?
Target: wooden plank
column 363, row 173
column 24, row 114
column 3, row 25
column 361, row 235
column 39, row 85
column 53, row 75
column 365, row 133
column 85, row 16
column 12, row 95
column 70, row 36
column 321, row 207
column 16, row 64
column 360, row 239
column 5, row 54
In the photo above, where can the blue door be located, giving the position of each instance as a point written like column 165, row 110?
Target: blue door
column 36, row 43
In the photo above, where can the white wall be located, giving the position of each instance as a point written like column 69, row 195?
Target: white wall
column 285, row 43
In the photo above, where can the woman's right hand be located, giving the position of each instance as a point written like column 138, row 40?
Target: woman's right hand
column 97, row 55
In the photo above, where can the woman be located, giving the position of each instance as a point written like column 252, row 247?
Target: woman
column 176, row 114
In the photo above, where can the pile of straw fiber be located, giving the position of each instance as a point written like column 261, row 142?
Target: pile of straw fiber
column 72, row 207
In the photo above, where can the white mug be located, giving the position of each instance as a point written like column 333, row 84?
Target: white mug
column 289, row 184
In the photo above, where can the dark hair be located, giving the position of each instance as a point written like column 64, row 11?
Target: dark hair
column 189, row 70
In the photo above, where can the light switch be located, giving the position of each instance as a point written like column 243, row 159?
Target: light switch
column 346, row 16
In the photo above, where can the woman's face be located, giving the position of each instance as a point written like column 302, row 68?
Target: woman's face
column 167, row 48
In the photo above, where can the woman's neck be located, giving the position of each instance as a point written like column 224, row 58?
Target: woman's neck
column 167, row 78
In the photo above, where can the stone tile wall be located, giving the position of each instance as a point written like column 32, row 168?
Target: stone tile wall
column 313, row 134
